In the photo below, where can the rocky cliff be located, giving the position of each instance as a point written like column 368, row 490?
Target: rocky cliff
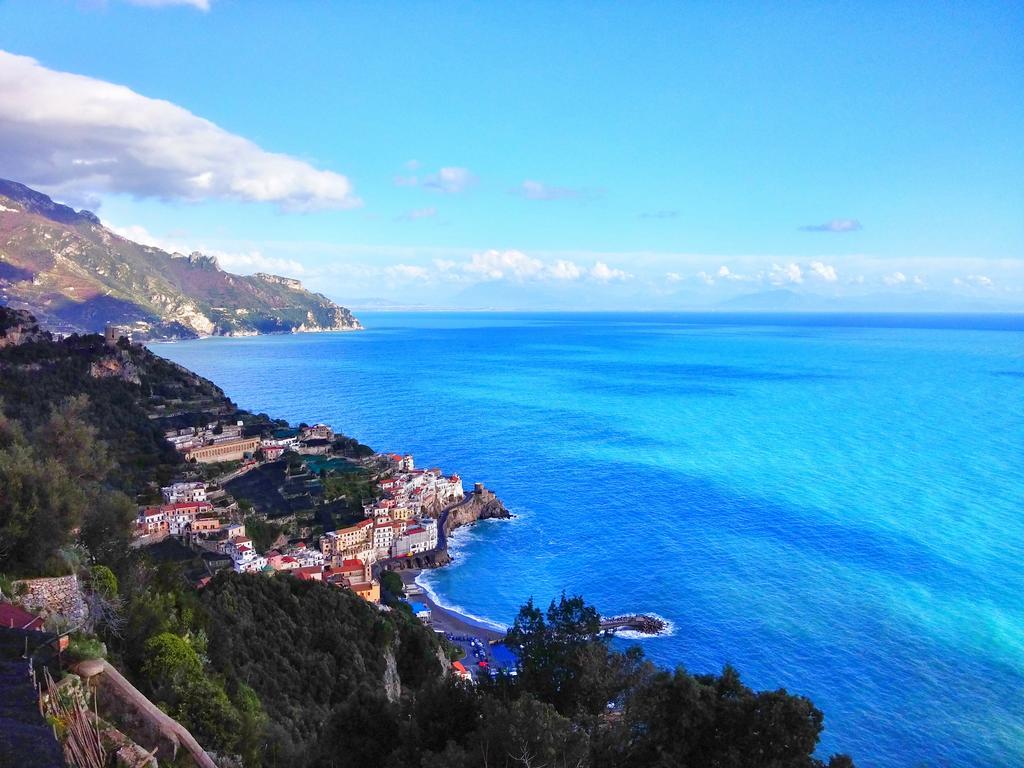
column 482, row 504
column 74, row 274
column 19, row 327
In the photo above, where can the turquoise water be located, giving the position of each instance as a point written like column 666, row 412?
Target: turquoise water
column 835, row 505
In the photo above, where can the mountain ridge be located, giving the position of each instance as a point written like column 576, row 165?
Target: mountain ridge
column 76, row 275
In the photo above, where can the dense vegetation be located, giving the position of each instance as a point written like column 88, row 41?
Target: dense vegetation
column 283, row 673
column 53, row 480
column 556, row 713
column 37, row 376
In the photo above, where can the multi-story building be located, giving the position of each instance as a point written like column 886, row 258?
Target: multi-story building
column 449, row 489
column 151, row 520
column 346, row 538
column 233, row 449
column 206, row 524
column 181, row 515
column 182, row 492
column 385, row 534
column 420, row 536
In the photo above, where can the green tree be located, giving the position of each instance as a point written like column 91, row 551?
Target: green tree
column 102, row 581
column 171, row 660
column 392, row 582
column 564, row 659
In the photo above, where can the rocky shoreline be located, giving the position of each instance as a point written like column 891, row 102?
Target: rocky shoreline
column 481, row 504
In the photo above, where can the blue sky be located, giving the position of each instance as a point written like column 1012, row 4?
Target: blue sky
column 603, row 155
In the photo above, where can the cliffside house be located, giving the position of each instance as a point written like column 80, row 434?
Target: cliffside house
column 182, row 515
column 183, row 492
column 355, row 575
column 151, row 520
column 317, row 432
column 272, row 451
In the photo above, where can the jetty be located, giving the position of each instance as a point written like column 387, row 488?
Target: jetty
column 646, row 625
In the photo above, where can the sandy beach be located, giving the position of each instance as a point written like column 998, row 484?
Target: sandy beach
column 445, row 619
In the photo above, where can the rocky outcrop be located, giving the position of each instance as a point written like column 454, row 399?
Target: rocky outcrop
column 18, row 326
column 115, row 367
column 392, row 683
column 481, row 504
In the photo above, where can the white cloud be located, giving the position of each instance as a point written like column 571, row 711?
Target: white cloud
column 603, row 273
column 242, row 262
column 673, row 277
column 538, row 190
column 565, row 270
column 515, row 265
column 894, row 279
column 975, row 281
column 498, row 265
column 202, row 5
column 835, row 225
column 788, row 274
column 76, row 135
column 254, row 261
column 824, row 271
column 450, row 180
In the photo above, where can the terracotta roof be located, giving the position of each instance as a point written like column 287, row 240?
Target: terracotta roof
column 13, row 617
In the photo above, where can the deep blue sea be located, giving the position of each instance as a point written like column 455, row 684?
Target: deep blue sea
column 833, row 504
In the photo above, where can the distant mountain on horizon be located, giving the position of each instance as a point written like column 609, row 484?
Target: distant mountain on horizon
column 785, row 300
column 74, row 274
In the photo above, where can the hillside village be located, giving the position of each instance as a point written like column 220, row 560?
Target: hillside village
column 402, row 521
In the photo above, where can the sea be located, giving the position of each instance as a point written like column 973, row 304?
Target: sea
column 832, row 504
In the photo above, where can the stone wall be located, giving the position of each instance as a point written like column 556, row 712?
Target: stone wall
column 61, row 595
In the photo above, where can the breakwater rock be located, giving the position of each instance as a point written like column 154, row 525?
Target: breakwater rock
column 644, row 624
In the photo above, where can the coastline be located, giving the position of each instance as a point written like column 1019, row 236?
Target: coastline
column 447, row 619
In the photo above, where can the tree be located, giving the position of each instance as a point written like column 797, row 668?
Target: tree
column 392, row 582
column 564, row 659
column 102, row 581
column 689, row 721
column 171, row 660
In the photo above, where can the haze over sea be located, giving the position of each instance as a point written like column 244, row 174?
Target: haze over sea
column 833, row 504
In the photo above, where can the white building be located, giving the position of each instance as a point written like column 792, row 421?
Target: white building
column 245, row 559
column 384, row 535
column 420, row 536
column 183, row 492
